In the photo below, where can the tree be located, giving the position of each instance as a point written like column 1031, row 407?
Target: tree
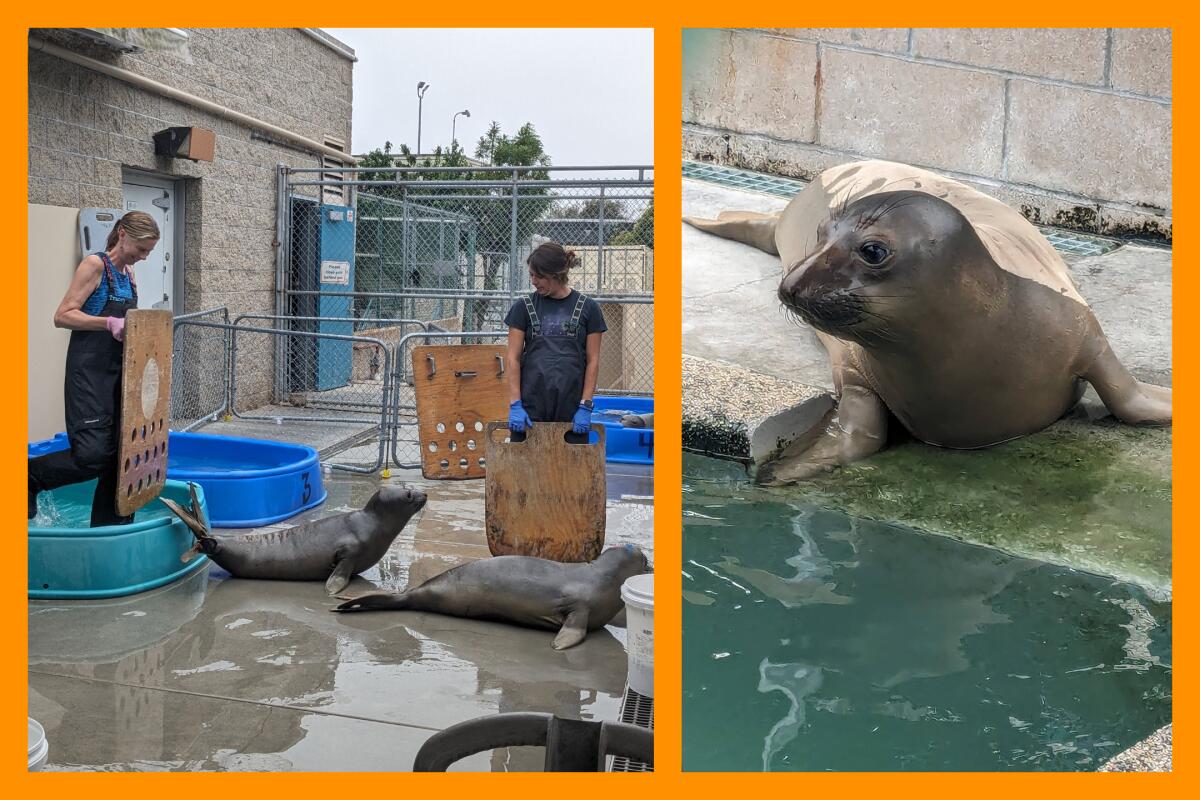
column 489, row 207
column 642, row 232
column 487, row 143
column 588, row 209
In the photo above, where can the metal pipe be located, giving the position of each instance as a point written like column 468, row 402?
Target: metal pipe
column 474, row 184
column 592, row 168
column 444, row 294
column 185, row 97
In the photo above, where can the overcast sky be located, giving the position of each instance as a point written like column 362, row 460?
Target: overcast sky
column 588, row 92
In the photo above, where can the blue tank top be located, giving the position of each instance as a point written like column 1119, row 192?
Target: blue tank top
column 120, row 283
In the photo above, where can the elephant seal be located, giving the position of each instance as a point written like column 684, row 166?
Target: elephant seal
column 938, row 304
column 333, row 549
column 570, row 598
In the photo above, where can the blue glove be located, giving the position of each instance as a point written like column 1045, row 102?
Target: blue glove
column 582, row 420
column 518, row 418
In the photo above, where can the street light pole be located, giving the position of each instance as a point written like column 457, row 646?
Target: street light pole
column 422, row 87
column 454, row 121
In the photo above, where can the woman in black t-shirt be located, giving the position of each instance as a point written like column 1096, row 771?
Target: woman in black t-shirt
column 554, row 337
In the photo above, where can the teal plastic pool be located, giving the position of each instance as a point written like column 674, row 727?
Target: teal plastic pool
column 68, row 560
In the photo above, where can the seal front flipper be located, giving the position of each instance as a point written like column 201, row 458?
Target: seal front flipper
column 1130, row 400
column 749, row 227
column 574, row 629
column 852, row 431
column 343, row 571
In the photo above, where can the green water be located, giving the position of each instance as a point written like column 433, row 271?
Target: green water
column 817, row 641
column 71, row 507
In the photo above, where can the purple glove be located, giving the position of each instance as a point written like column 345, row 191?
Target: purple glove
column 116, row 326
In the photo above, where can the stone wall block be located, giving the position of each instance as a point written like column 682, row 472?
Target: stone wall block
column 1091, row 143
column 705, row 68
column 1075, row 55
column 893, row 40
column 773, row 92
column 1141, row 60
column 940, row 117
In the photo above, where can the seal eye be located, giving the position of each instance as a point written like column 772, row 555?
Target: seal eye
column 874, row 253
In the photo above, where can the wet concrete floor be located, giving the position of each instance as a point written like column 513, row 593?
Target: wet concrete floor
column 216, row 673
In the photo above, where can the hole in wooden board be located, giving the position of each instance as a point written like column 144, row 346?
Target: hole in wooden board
column 433, row 447
column 471, row 444
column 458, row 426
column 478, row 425
column 462, row 462
column 137, row 459
column 143, row 433
column 127, row 465
column 133, row 435
column 500, row 435
column 482, row 461
column 440, row 427
column 444, row 464
column 571, row 437
column 453, row 445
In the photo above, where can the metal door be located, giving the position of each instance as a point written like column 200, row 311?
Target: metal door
column 155, row 275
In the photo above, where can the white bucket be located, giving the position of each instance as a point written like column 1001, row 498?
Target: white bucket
column 638, row 594
column 39, row 749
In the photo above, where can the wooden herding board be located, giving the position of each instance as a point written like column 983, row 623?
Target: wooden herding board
column 544, row 497
column 145, row 408
column 460, row 389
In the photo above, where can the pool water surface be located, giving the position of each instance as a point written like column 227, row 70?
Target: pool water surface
column 816, row 641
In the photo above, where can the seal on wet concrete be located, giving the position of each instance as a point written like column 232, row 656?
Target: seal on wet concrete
column 333, row 549
column 535, row 592
column 938, row 305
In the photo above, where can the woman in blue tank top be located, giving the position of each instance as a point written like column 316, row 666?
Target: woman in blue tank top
column 93, row 309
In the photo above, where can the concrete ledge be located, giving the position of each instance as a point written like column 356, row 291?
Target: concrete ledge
column 733, row 413
column 1152, row 754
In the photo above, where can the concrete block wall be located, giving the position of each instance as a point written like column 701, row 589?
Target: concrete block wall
column 1071, row 126
column 86, row 127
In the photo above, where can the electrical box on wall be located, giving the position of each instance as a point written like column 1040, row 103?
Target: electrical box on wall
column 196, row 144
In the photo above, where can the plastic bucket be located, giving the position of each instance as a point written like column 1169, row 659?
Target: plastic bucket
column 39, row 749
column 638, row 594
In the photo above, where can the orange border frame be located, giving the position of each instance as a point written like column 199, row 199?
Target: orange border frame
column 668, row 18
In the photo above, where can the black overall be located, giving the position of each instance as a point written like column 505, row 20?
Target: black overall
column 92, row 395
column 552, row 368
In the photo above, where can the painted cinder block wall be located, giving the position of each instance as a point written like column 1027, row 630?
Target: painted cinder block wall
column 86, row 128
column 1072, row 126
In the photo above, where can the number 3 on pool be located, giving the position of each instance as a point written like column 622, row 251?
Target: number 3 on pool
column 307, row 488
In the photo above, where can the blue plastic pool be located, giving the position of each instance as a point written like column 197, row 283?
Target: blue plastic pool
column 625, row 445
column 247, row 482
column 69, row 560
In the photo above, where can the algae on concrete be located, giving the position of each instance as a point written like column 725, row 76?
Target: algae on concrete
column 1094, row 496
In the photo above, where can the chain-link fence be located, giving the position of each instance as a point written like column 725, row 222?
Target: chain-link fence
column 200, row 369
column 447, row 247
column 373, row 260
